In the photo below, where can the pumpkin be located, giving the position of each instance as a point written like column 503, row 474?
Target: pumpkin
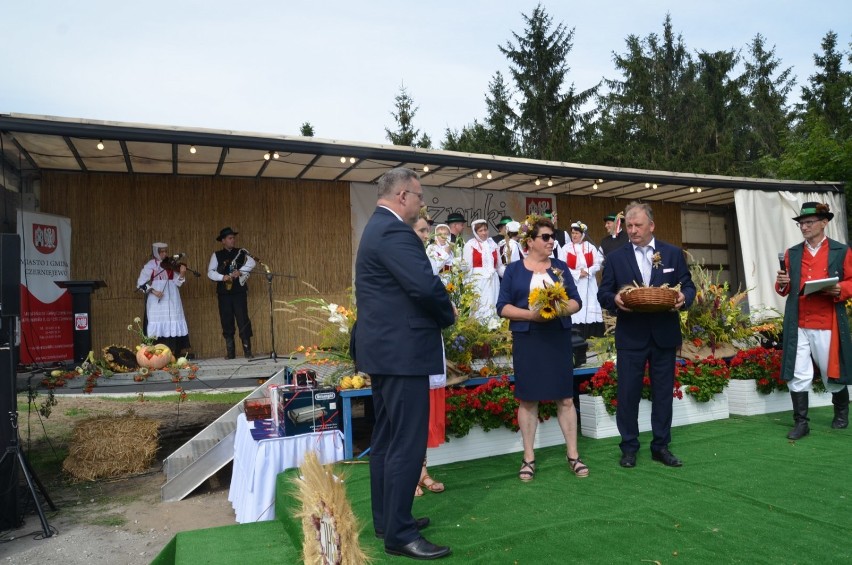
column 154, row 356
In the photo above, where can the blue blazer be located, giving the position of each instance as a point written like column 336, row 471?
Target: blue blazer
column 401, row 305
column 515, row 290
column 635, row 330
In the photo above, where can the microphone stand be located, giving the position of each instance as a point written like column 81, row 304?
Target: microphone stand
column 269, row 278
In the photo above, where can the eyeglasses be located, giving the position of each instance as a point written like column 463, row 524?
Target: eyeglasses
column 807, row 223
column 418, row 194
column 545, row 237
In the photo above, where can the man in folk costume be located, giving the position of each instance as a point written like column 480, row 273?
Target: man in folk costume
column 560, row 236
column 481, row 255
column 227, row 268
column 816, row 325
column 500, row 238
column 584, row 260
column 456, row 222
column 615, row 235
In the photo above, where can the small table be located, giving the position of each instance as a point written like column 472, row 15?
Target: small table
column 258, row 463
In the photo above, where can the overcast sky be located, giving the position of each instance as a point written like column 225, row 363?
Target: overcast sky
column 270, row 66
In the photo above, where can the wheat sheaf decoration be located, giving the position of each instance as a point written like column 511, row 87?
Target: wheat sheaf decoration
column 329, row 526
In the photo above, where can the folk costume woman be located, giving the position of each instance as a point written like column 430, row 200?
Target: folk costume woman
column 482, row 256
column 584, row 260
column 437, row 383
column 440, row 253
column 541, row 352
column 163, row 307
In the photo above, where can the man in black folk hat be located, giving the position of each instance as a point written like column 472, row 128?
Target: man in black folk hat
column 816, row 327
column 456, row 222
column 615, row 236
column 229, row 268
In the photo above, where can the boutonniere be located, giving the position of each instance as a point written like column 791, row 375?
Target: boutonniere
column 656, row 260
column 557, row 273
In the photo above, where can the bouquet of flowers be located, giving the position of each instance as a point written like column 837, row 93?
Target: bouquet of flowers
column 550, row 301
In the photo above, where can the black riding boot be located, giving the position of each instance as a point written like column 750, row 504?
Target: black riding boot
column 230, row 348
column 800, row 415
column 247, row 347
column 841, row 409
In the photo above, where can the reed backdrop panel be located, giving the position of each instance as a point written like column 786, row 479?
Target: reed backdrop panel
column 592, row 211
column 300, row 230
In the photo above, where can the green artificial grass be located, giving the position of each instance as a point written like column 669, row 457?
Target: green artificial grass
column 745, row 494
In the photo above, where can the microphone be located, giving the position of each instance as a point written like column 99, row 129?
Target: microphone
column 781, row 261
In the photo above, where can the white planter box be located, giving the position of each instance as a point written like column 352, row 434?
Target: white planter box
column 597, row 424
column 744, row 400
column 478, row 443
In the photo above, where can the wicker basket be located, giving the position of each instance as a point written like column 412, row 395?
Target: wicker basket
column 650, row 299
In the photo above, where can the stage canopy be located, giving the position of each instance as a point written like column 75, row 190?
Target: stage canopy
column 34, row 143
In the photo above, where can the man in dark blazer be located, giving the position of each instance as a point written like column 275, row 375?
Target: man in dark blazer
column 402, row 307
column 642, row 338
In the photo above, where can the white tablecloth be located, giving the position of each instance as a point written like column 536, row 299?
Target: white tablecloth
column 258, row 463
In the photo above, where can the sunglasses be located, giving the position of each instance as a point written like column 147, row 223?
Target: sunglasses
column 545, row 237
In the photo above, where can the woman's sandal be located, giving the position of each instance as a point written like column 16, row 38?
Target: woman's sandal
column 433, row 486
column 578, row 467
column 527, row 471
column 418, row 491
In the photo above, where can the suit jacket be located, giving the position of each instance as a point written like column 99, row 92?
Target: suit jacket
column 515, row 290
column 635, row 330
column 401, row 305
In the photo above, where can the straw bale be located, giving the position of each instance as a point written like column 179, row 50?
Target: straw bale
column 112, row 446
column 301, row 229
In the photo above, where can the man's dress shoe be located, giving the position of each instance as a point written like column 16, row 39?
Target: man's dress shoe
column 421, row 523
column 666, row 457
column 421, row 548
column 628, row 460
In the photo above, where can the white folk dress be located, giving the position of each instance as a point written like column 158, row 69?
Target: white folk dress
column 484, row 271
column 165, row 315
column 579, row 256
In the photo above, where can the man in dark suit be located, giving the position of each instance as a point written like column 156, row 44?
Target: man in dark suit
column 641, row 338
column 402, row 307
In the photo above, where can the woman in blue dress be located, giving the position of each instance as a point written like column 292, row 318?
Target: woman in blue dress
column 542, row 354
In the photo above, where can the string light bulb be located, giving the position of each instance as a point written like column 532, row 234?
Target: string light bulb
column 100, row 145
column 352, row 160
column 647, row 185
column 698, row 189
column 489, row 176
column 654, row 186
column 479, row 174
column 343, row 159
column 691, row 189
column 425, row 168
column 595, row 186
column 192, row 149
column 275, row 155
column 538, row 182
column 267, row 156
column 549, row 182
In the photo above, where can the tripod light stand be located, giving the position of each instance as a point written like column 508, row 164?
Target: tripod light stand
column 13, row 451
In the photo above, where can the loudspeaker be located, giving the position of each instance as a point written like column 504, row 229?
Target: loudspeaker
column 10, row 275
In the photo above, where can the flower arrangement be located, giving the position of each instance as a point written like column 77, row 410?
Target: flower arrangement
column 703, row 379
column 761, row 365
column 144, row 339
column 470, row 339
column 716, row 317
column 491, row 405
column 604, row 383
column 332, row 324
column 656, row 260
column 552, row 300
